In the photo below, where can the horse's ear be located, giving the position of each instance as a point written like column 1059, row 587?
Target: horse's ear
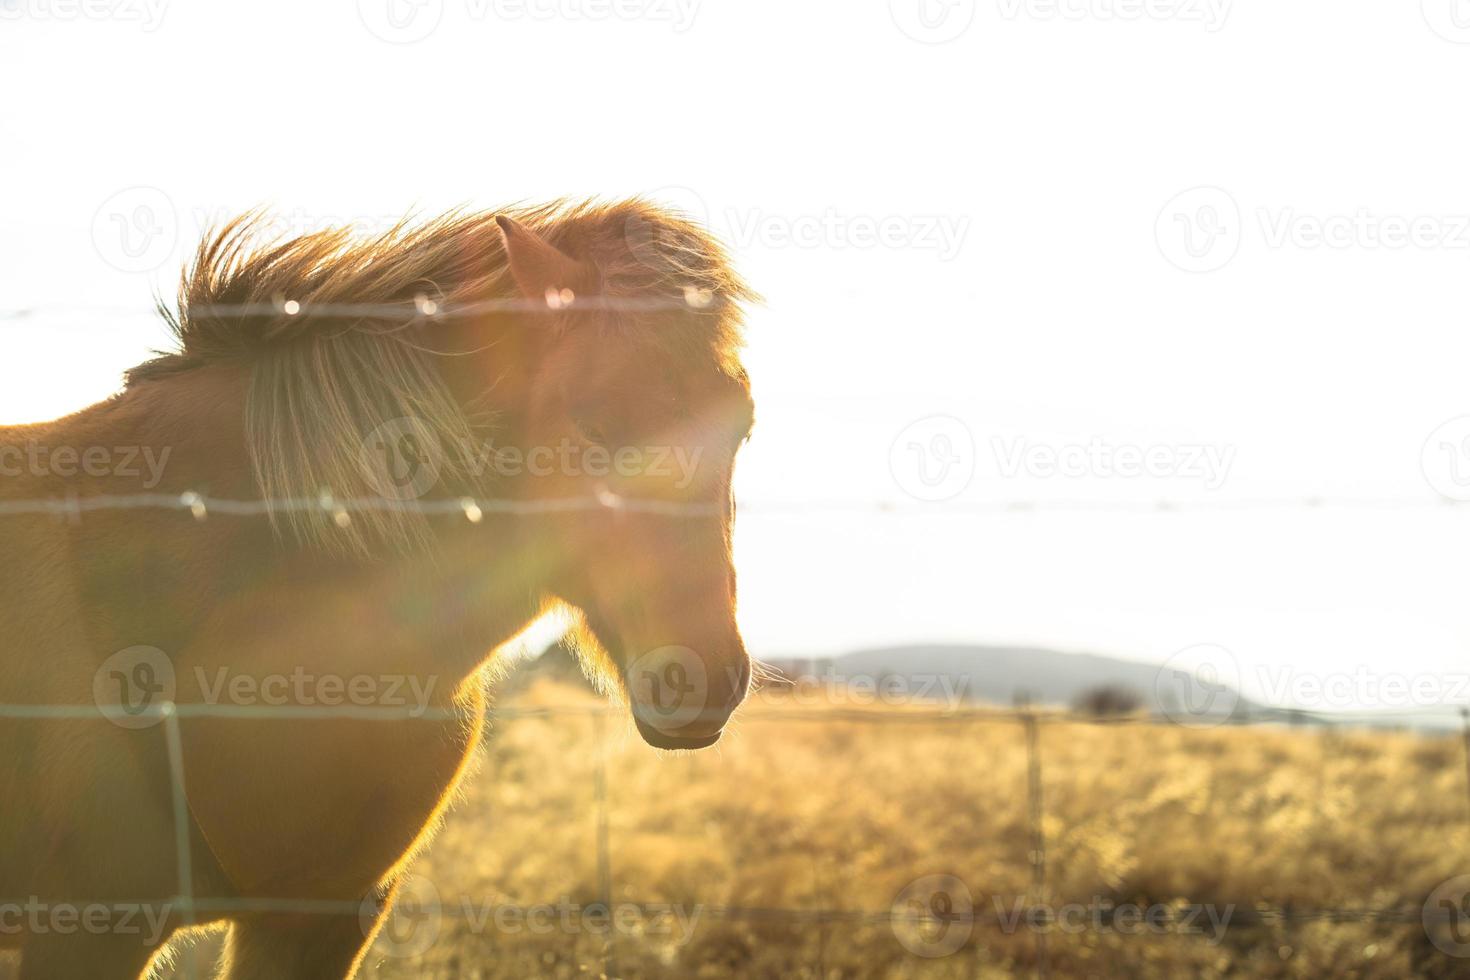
column 541, row 270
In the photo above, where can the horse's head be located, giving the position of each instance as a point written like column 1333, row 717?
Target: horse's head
column 629, row 425
column 577, row 361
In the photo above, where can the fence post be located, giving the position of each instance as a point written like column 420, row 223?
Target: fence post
column 1034, row 810
column 1465, row 715
column 188, row 959
column 604, row 858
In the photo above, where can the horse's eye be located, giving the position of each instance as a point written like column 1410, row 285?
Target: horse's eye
column 591, row 432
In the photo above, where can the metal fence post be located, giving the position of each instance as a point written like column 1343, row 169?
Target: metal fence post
column 604, row 857
column 1035, row 811
column 182, row 855
column 1465, row 716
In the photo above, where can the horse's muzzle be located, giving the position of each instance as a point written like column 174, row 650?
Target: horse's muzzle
column 683, row 701
column 665, row 740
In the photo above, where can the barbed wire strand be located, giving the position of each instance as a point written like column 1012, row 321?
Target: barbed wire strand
column 1175, row 912
column 422, row 308
column 474, row 509
column 1257, row 717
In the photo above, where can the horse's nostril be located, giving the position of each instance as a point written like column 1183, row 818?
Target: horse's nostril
column 744, row 687
column 737, row 694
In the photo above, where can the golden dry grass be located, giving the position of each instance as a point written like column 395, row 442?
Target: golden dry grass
column 824, row 812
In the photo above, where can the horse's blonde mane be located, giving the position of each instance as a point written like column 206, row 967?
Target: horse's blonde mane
column 332, row 326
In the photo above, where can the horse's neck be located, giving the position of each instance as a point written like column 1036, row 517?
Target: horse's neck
column 119, row 575
column 155, row 438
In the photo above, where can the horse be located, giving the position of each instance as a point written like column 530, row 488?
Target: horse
column 373, row 460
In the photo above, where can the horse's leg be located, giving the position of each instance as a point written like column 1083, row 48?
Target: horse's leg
column 80, row 954
column 298, row 947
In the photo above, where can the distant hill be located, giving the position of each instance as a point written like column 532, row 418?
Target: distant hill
column 1007, row 675
column 995, row 675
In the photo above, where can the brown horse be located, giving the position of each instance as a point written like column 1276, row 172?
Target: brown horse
column 366, row 466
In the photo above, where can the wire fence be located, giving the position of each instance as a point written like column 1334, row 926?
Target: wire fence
column 196, row 505
column 1037, row 911
column 192, row 908
column 424, row 308
column 201, row 506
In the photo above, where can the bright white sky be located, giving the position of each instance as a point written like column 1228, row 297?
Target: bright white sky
column 1028, row 286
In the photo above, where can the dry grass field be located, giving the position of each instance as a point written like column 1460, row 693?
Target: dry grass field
column 824, row 812
column 841, row 809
